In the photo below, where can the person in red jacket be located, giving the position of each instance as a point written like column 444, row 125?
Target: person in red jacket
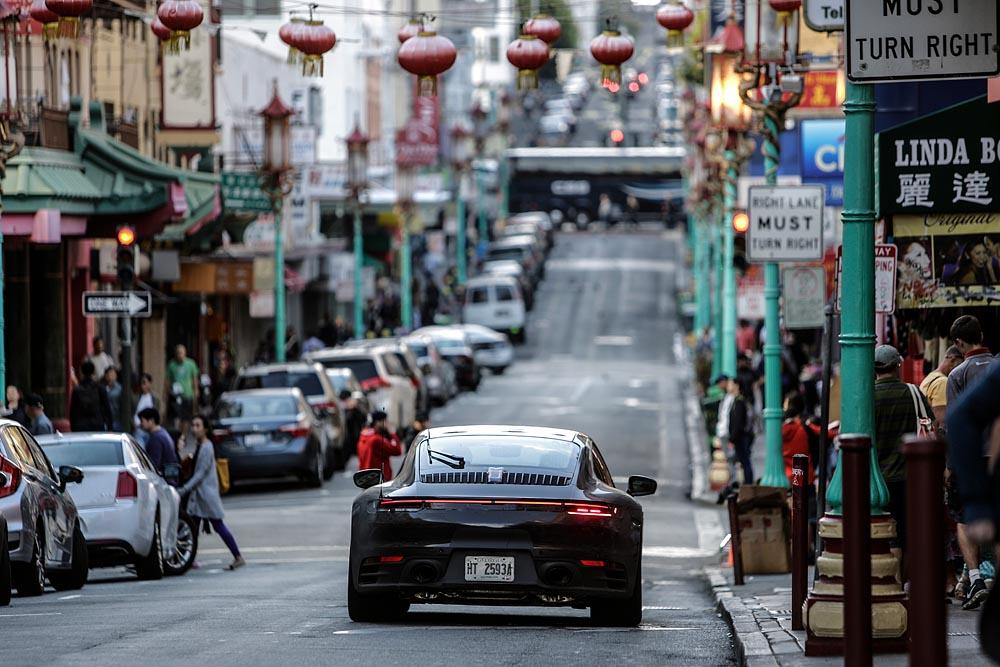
column 799, row 436
column 376, row 445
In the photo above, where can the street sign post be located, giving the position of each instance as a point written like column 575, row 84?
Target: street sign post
column 824, row 15
column 786, row 223
column 885, row 278
column 803, row 296
column 900, row 40
column 117, row 304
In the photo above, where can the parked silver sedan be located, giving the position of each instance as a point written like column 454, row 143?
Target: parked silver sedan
column 44, row 532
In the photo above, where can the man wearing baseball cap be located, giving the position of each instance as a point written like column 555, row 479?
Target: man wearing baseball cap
column 897, row 405
column 377, row 445
column 39, row 423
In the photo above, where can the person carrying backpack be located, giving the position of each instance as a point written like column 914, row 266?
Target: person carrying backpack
column 89, row 408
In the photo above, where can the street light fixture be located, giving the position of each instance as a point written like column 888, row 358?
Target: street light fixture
column 357, row 182
column 275, row 165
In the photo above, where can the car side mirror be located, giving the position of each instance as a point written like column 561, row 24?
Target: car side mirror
column 69, row 475
column 366, row 479
column 641, row 486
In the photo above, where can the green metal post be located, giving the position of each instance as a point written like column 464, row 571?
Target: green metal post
column 727, row 344
column 359, row 261
column 279, row 285
column 699, row 243
column 715, row 267
column 483, row 222
column 461, row 255
column 504, row 190
column 774, row 468
column 857, row 328
column 406, row 279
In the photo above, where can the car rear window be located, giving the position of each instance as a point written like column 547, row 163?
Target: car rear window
column 478, row 295
column 393, row 364
column 419, row 349
column 504, row 253
column 363, row 369
column 252, row 407
column 504, row 293
column 307, row 381
column 481, row 452
column 338, row 380
column 82, row 453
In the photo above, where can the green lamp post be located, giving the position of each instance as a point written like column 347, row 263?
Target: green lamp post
column 405, row 186
column 275, row 166
column 357, row 182
column 462, row 146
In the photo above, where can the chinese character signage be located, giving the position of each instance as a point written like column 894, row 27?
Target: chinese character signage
column 948, row 259
column 947, row 162
column 822, row 89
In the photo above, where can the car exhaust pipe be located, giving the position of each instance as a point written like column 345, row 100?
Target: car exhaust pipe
column 425, row 572
column 557, row 574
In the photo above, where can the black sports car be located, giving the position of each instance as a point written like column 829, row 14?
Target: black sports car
column 503, row 515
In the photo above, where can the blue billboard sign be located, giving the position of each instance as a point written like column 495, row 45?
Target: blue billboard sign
column 822, row 156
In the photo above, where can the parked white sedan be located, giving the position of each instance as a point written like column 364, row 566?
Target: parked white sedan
column 492, row 349
column 128, row 511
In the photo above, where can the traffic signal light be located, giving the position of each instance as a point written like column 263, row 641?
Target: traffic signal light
column 741, row 222
column 617, row 136
column 126, row 256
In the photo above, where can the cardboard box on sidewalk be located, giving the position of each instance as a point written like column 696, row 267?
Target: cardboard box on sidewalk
column 764, row 530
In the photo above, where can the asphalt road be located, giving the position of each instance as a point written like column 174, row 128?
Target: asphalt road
column 600, row 358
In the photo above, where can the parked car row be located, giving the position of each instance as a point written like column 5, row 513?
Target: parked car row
column 72, row 502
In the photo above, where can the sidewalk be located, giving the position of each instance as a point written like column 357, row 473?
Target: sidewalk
column 759, row 614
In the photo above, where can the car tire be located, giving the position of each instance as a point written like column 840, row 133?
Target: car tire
column 625, row 613
column 75, row 577
column 5, row 581
column 499, row 370
column 373, row 608
column 29, row 578
column 185, row 550
column 314, row 478
column 150, row 566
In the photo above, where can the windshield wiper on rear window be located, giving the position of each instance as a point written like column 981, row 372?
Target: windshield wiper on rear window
column 450, row 460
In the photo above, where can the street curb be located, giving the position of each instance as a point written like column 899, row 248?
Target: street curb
column 751, row 644
column 694, row 427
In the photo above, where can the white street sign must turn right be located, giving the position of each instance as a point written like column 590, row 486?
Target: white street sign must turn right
column 786, row 223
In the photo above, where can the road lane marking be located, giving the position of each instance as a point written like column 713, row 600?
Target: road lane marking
column 613, row 341
column 595, row 264
column 275, row 550
column 47, row 613
column 69, row 597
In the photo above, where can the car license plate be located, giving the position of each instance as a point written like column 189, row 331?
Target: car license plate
column 489, row 568
column 254, row 440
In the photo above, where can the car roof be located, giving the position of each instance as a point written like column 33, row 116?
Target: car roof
column 514, row 241
column 339, row 370
column 264, row 369
column 565, row 435
column 443, row 331
column 273, row 391
column 491, row 279
column 75, row 436
column 483, row 331
column 355, row 351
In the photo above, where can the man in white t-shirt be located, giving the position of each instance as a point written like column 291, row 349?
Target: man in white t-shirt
column 147, row 399
column 101, row 359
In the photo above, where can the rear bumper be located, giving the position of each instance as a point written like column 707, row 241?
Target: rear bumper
column 495, row 357
column 120, row 527
column 247, row 464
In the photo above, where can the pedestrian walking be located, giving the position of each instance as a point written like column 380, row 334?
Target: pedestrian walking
column 147, row 399
column 160, row 447
column 741, row 429
column 979, row 482
column 312, row 343
column 15, row 406
column 89, row 408
column 38, row 421
column 101, row 359
column 182, row 386
column 114, row 389
column 202, row 489
column 900, row 409
column 377, row 445
column 935, row 385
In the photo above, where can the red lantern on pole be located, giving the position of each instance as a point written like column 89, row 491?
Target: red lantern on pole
column 162, row 33
column 528, row 54
column 611, row 49
column 69, row 13
column 410, row 29
column 180, row 17
column 48, row 18
column 544, row 27
column 427, row 55
column 675, row 17
column 785, row 9
column 313, row 41
column 289, row 34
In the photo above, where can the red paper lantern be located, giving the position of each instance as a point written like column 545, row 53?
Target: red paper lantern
column 528, row 54
column 675, row 17
column 69, row 13
column 162, row 33
column 180, row 17
column 611, row 49
column 544, row 27
column 785, row 9
column 427, row 55
column 289, row 34
column 48, row 18
column 410, row 29
column 314, row 40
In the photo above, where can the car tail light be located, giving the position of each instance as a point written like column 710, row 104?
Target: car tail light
column 415, row 382
column 592, row 563
column 220, row 434
column 326, row 405
column 374, row 383
column 390, row 559
column 295, row 430
column 590, row 510
column 14, row 477
column 128, row 486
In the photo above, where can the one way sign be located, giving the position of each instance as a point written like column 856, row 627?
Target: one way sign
column 117, row 304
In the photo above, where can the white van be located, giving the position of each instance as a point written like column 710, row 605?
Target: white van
column 495, row 301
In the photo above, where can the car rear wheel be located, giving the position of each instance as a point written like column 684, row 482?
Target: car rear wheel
column 373, row 608
column 5, row 583
column 29, row 578
column 74, row 578
column 150, row 566
column 625, row 613
column 181, row 560
column 314, row 478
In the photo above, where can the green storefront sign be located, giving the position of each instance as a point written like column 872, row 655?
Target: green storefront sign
column 241, row 191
